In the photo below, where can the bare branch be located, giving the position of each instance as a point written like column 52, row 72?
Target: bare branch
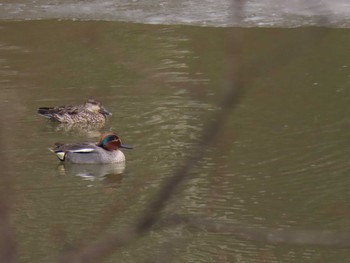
column 7, row 237
column 209, row 136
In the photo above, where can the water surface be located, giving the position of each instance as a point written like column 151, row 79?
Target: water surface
column 280, row 162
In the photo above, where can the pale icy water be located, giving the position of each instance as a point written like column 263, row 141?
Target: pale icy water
column 280, row 163
column 223, row 13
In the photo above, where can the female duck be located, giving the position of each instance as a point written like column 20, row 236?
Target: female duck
column 105, row 151
column 91, row 111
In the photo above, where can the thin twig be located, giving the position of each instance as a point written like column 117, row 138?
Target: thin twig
column 123, row 237
column 8, row 248
column 111, row 243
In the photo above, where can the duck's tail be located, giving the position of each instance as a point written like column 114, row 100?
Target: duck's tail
column 46, row 112
column 61, row 154
column 56, row 147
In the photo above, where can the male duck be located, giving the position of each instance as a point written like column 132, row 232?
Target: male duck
column 91, row 111
column 105, row 151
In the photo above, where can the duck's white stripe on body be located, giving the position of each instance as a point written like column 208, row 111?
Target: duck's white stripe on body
column 82, row 150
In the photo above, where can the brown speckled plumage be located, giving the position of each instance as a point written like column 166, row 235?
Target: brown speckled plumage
column 91, row 111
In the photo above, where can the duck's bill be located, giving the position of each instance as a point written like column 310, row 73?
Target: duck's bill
column 105, row 111
column 125, row 146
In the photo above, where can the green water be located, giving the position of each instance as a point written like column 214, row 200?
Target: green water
column 280, row 162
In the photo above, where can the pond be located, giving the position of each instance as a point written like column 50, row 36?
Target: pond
column 280, row 161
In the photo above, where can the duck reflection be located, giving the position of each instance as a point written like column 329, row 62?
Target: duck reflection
column 109, row 173
column 89, row 130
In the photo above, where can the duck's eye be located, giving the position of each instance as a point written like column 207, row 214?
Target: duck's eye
column 110, row 138
column 93, row 104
